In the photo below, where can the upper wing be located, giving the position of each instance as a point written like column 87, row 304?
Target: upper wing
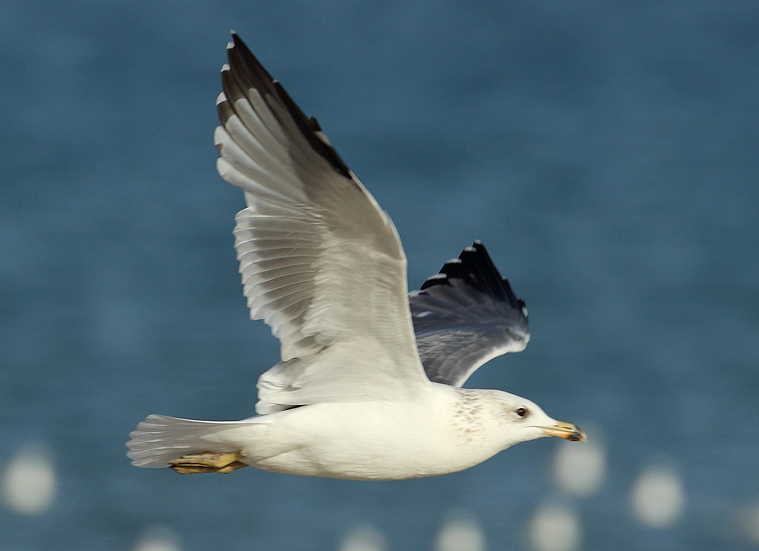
column 465, row 316
column 321, row 263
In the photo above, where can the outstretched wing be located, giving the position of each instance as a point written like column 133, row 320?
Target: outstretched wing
column 321, row 263
column 466, row 315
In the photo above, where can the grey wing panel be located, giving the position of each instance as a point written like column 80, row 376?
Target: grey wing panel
column 465, row 316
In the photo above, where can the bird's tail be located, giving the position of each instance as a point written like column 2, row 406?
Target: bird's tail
column 159, row 439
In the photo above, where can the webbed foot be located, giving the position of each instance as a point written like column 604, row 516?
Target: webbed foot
column 207, row 462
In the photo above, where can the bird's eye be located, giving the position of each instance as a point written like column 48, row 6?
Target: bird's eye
column 522, row 412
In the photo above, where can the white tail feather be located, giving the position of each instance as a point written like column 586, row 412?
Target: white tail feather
column 160, row 439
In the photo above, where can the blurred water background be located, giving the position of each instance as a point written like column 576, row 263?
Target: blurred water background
column 607, row 154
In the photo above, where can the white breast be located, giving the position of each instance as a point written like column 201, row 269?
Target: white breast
column 448, row 431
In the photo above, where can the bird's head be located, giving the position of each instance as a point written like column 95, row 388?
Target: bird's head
column 523, row 420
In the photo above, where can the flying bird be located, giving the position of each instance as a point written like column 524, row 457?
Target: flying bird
column 369, row 382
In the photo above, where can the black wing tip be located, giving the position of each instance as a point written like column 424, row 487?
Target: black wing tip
column 314, row 124
column 475, row 267
column 239, row 44
column 246, row 67
column 237, row 41
column 459, row 268
column 250, row 73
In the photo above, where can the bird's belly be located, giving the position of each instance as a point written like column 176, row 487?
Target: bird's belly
column 367, row 441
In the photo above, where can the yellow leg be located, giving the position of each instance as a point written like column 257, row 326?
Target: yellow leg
column 207, row 463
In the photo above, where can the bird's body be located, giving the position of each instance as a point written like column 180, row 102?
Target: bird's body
column 445, row 430
column 322, row 264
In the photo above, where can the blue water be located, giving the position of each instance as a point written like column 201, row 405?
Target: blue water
column 606, row 153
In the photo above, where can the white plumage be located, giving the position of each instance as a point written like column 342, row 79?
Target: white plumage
column 323, row 266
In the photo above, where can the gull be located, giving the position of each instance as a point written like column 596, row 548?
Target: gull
column 369, row 382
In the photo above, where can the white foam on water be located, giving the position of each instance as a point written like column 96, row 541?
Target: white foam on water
column 28, row 484
column 581, row 469
column 744, row 522
column 555, row 527
column 460, row 532
column 364, row 537
column 657, row 497
column 158, row 538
